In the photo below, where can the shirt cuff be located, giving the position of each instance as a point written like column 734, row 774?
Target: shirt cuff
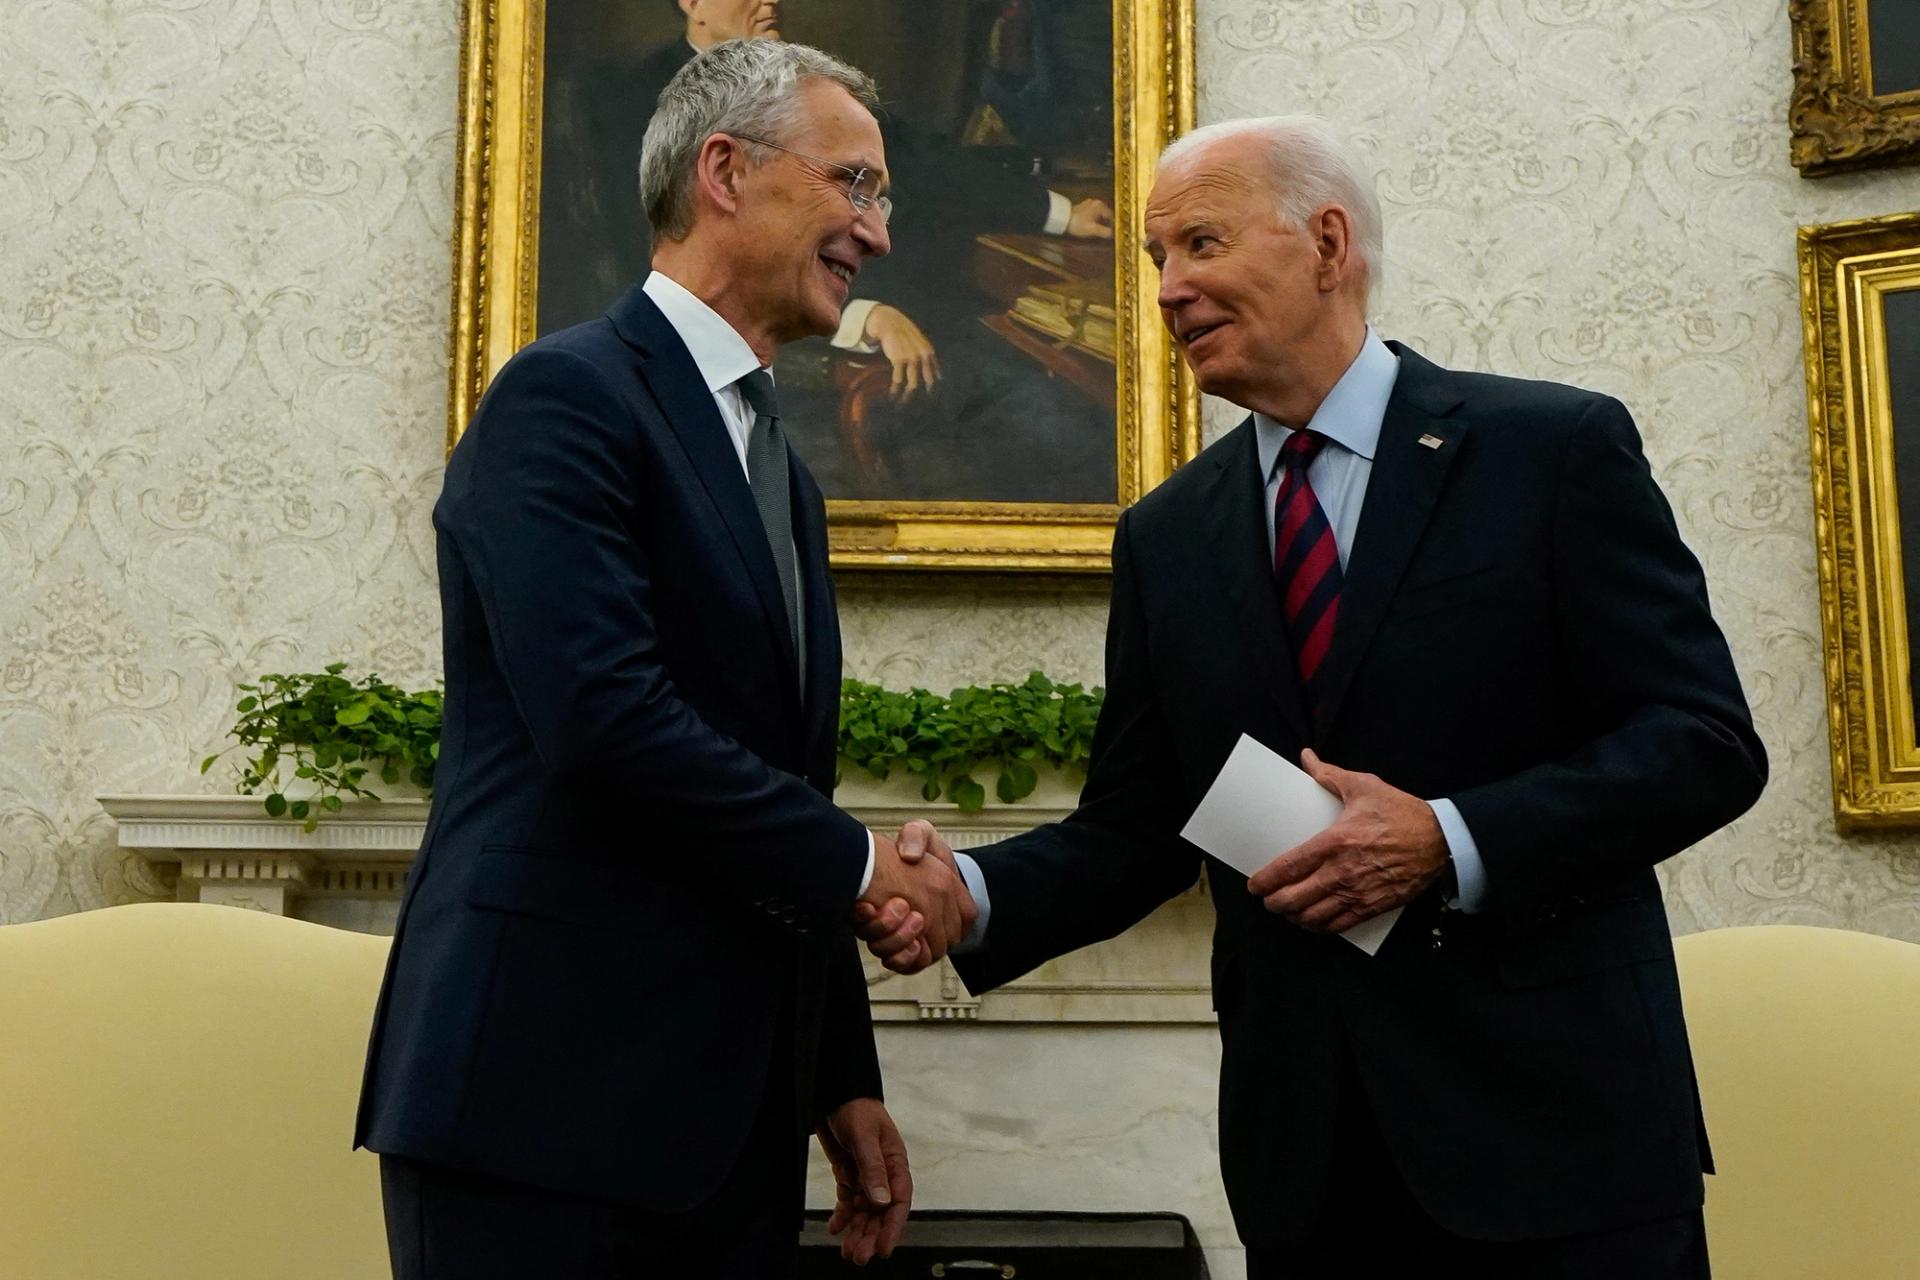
column 852, row 333
column 1469, row 872
column 866, row 877
column 977, row 886
column 1059, row 210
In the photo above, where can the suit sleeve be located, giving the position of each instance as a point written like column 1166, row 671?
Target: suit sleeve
column 849, row 1065
column 545, row 511
column 1673, row 756
column 1119, row 855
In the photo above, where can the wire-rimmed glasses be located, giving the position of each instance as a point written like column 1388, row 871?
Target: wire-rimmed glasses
column 863, row 184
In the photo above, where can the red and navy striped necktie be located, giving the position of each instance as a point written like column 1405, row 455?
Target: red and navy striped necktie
column 1306, row 562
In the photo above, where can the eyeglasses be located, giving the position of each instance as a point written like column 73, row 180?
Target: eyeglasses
column 863, row 184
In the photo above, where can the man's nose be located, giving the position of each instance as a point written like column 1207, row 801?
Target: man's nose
column 1176, row 290
column 871, row 233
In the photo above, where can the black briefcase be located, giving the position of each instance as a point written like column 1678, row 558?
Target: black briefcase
column 949, row 1244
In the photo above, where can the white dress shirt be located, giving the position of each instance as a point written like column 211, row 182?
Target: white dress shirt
column 719, row 352
column 723, row 358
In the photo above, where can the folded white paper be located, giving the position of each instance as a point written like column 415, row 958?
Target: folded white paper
column 1261, row 805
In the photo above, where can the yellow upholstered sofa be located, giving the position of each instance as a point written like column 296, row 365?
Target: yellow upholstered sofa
column 177, row 1089
column 177, row 1085
column 1807, row 1042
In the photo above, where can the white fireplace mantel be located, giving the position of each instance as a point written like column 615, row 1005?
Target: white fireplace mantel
column 351, row 868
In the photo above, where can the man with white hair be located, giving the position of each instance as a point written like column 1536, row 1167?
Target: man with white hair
column 1462, row 603
column 623, row 984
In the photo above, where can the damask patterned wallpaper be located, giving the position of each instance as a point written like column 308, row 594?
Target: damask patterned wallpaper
column 223, row 282
column 222, row 345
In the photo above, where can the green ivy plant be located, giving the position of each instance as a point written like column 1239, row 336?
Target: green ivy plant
column 335, row 732
column 338, row 732
column 942, row 741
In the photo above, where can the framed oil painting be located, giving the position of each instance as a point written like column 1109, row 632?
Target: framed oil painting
column 1021, row 136
column 1860, row 290
column 1856, row 84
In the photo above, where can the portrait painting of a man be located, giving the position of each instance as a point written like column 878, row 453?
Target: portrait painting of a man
column 975, row 363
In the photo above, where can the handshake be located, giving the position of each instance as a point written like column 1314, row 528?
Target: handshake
column 916, row 908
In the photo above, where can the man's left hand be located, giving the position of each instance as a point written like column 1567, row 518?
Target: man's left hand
column 872, row 1187
column 916, row 366
column 1383, row 850
column 892, row 933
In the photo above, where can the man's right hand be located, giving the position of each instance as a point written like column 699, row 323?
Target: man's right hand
column 931, row 890
column 892, row 931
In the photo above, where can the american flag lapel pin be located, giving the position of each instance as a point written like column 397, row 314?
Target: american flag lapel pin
column 1431, row 441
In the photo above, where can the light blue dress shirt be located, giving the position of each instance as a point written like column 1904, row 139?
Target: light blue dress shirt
column 1350, row 419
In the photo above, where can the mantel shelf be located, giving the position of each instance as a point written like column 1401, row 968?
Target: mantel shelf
column 241, row 822
column 352, row 868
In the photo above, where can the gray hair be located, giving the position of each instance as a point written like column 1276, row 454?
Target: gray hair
column 735, row 87
column 1309, row 165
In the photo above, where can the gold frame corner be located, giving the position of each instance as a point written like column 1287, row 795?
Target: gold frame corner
column 1839, row 124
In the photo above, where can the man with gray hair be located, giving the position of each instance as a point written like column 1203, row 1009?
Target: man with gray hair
column 623, row 985
column 1461, row 602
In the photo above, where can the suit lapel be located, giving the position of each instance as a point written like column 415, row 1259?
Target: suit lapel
column 821, row 700
column 1237, row 547
column 1401, row 492
column 674, row 379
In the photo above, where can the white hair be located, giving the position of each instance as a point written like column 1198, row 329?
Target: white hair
column 735, row 87
column 1309, row 165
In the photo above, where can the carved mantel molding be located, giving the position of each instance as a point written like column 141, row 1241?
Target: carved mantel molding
column 227, row 850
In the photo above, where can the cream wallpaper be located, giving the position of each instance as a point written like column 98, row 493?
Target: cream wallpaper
column 223, row 290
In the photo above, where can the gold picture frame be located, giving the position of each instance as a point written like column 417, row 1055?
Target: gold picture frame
column 496, row 273
column 1839, row 122
column 1848, row 272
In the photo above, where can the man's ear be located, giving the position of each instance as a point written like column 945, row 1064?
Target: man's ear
column 716, row 173
column 1332, row 230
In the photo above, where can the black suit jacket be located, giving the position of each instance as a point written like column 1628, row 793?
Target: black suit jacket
column 628, row 920
column 1523, row 631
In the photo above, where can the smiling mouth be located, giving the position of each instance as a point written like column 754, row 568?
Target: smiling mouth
column 1194, row 335
column 841, row 271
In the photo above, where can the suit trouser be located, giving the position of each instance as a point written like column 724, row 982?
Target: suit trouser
column 1371, row 1225
column 446, row 1224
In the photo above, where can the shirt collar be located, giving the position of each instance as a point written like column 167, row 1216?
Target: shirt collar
column 717, row 348
column 1351, row 414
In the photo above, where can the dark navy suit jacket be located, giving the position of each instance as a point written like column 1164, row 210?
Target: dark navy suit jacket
column 1523, row 631
column 628, row 920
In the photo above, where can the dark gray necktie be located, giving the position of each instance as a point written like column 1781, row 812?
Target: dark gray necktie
column 767, row 474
